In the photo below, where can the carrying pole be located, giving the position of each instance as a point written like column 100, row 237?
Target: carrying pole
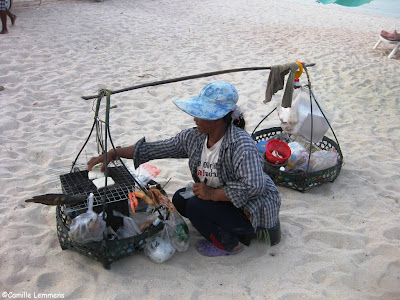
column 180, row 79
column 187, row 78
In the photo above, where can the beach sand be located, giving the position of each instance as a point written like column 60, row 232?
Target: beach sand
column 339, row 241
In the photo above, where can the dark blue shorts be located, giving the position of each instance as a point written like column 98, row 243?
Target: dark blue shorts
column 219, row 222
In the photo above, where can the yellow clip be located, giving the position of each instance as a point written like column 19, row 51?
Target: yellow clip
column 298, row 73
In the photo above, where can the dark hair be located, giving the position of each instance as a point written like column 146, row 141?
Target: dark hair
column 239, row 122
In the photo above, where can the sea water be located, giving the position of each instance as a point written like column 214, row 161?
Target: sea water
column 389, row 8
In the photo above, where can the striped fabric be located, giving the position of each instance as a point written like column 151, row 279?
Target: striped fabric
column 3, row 4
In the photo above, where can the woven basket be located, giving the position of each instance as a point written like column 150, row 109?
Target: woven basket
column 105, row 251
column 300, row 181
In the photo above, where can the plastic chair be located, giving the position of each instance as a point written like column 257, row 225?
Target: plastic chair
column 396, row 43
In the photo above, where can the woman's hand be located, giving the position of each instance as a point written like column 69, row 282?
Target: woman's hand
column 203, row 191
column 125, row 152
column 100, row 159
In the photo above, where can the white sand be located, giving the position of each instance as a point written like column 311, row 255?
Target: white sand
column 340, row 240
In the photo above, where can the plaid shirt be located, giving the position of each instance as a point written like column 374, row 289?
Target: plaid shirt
column 239, row 169
column 4, row 4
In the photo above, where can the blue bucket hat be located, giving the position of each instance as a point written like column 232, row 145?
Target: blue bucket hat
column 215, row 100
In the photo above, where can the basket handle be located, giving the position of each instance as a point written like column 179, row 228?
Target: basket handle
column 263, row 120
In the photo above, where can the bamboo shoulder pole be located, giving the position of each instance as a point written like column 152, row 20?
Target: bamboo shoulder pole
column 179, row 79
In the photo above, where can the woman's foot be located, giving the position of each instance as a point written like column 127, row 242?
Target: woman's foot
column 386, row 34
column 395, row 36
column 13, row 18
column 207, row 248
column 4, row 31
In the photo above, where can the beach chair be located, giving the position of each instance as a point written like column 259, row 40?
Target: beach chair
column 383, row 39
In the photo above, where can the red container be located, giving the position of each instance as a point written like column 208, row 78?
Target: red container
column 279, row 146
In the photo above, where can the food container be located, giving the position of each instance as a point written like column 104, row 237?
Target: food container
column 277, row 151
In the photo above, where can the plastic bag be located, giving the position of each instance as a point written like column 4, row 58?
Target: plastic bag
column 322, row 160
column 305, row 143
column 188, row 193
column 178, row 231
column 296, row 153
column 298, row 156
column 87, row 227
column 288, row 115
column 146, row 172
column 111, row 234
column 159, row 247
column 302, row 108
column 130, row 228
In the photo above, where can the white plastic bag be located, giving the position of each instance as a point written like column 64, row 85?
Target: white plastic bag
column 145, row 172
column 302, row 109
column 87, row 227
column 159, row 247
column 288, row 115
column 188, row 193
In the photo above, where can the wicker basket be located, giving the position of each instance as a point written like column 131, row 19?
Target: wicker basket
column 105, row 251
column 300, row 181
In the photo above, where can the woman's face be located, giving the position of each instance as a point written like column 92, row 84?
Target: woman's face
column 206, row 126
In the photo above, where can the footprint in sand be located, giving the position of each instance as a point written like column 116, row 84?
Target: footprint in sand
column 337, row 240
column 392, row 234
column 390, row 279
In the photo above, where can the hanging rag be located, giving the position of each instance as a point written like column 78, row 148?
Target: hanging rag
column 276, row 82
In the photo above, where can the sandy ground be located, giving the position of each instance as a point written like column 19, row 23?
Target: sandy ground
column 340, row 240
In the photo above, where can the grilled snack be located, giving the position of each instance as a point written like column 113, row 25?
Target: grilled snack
column 57, row 199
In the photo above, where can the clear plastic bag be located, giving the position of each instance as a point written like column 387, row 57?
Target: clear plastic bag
column 322, row 160
column 178, row 231
column 87, row 227
column 159, row 247
column 130, row 228
column 302, row 108
column 296, row 156
column 298, row 160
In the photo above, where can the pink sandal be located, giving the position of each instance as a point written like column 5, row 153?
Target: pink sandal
column 207, row 248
